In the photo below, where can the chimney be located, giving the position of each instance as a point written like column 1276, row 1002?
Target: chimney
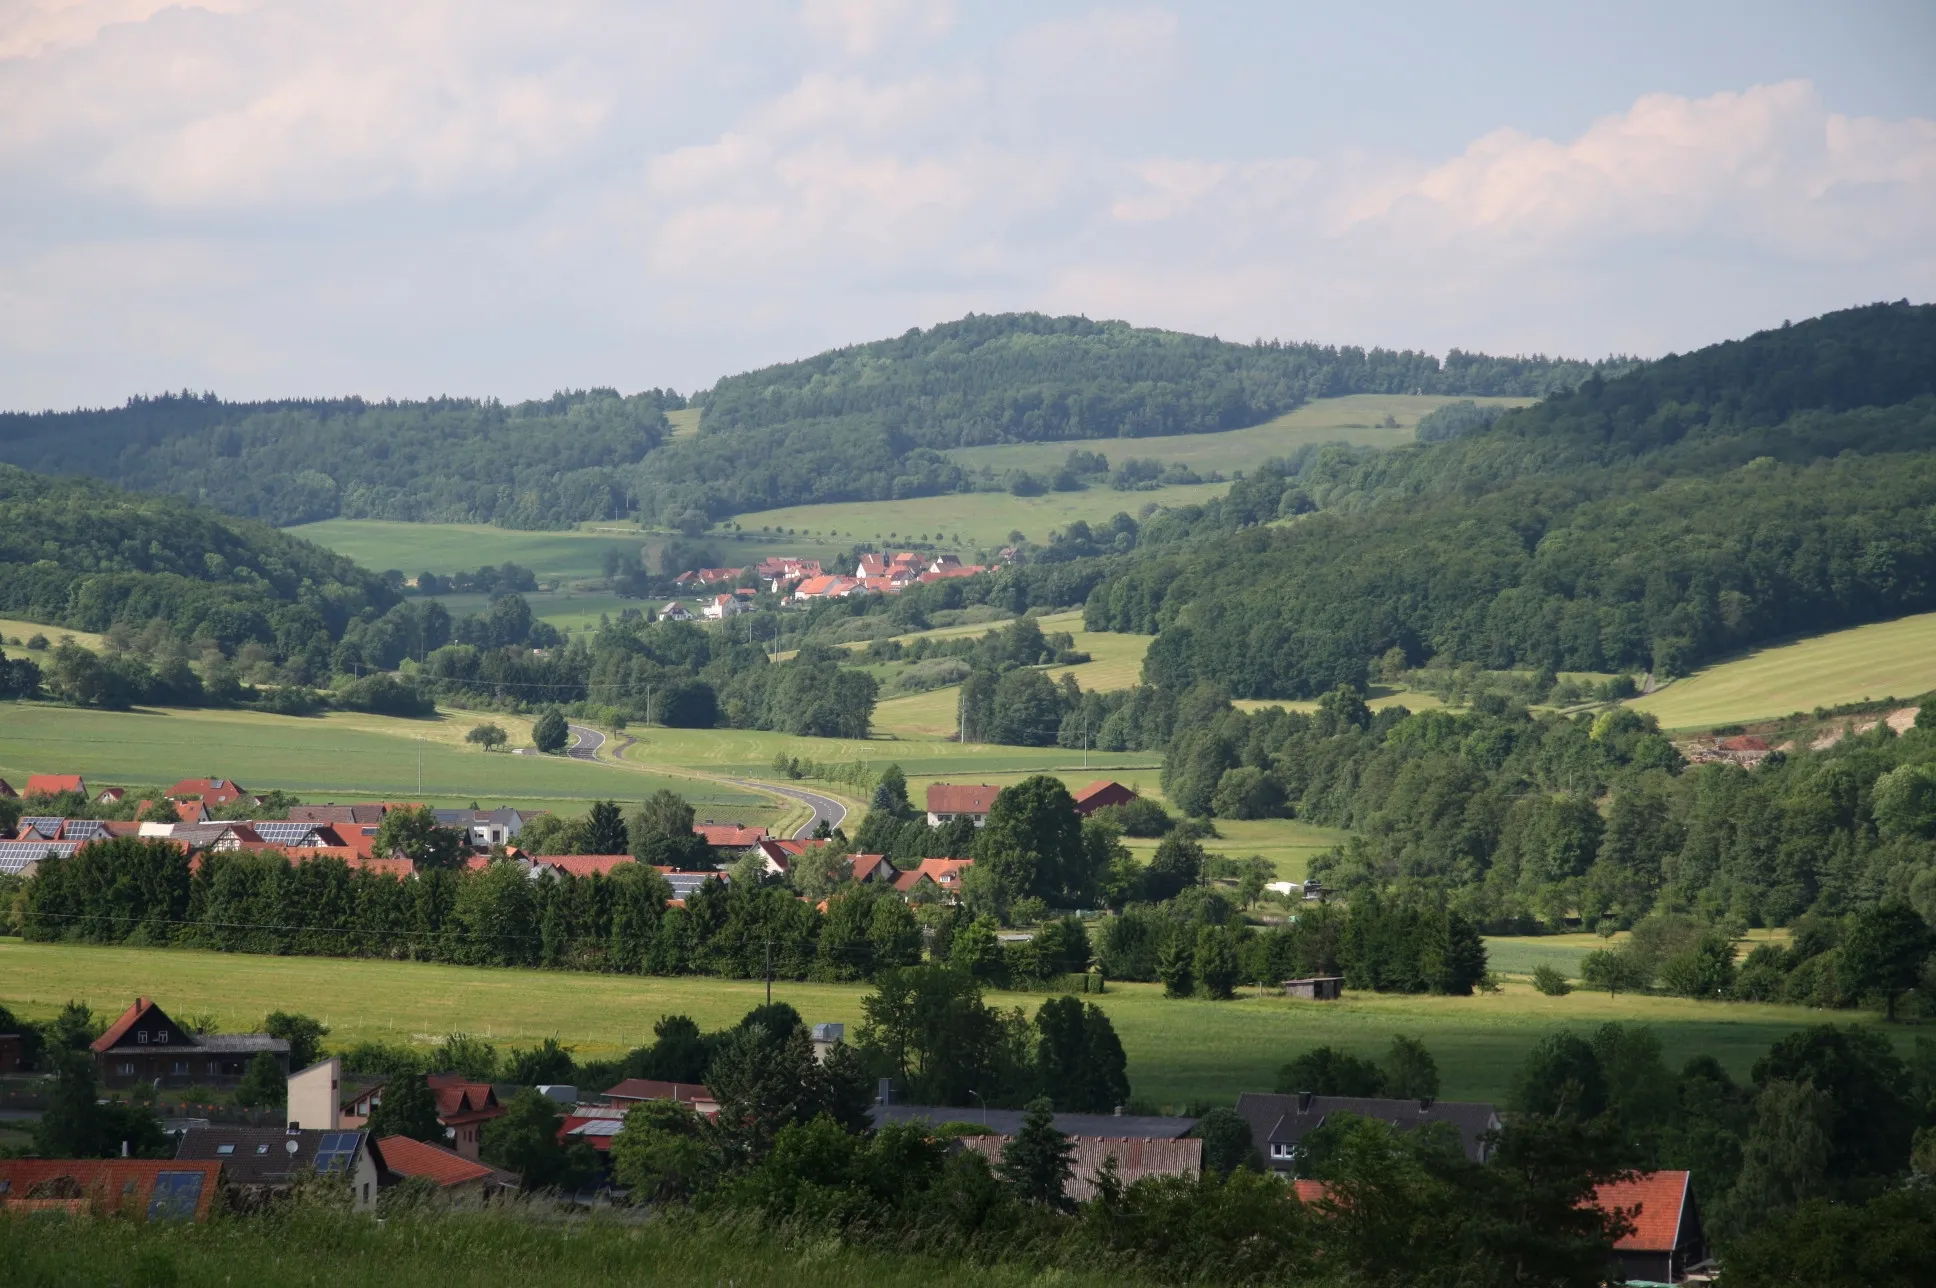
column 1304, row 1099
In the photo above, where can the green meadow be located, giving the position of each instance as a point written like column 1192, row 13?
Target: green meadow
column 1360, row 419
column 341, row 756
column 1180, row 1051
column 1885, row 659
column 980, row 519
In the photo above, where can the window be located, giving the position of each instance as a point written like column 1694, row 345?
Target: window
column 261, row 1149
column 181, row 1067
column 142, row 1036
column 225, row 1150
column 161, row 1035
column 127, row 1068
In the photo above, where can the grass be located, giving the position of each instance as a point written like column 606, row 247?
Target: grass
column 685, row 422
column 1380, row 697
column 750, row 753
column 1886, row 658
column 1288, row 843
column 982, row 519
column 1179, row 1052
column 14, row 628
column 341, row 756
column 1358, row 419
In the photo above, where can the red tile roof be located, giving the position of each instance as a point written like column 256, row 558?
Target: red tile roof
column 213, row 791
column 191, row 811
column 730, row 836
column 868, row 867
column 119, row 1029
column 408, row 1157
column 961, row 798
column 946, row 873
column 459, row 1100
column 1661, row 1198
column 127, row 1184
column 55, row 784
column 583, row 865
column 1114, row 792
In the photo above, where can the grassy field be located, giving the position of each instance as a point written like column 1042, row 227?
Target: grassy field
column 1287, row 842
column 13, row 628
column 981, row 519
column 342, row 756
column 1380, row 697
column 1358, row 419
column 685, row 422
column 1179, row 1051
column 1887, row 659
column 750, row 752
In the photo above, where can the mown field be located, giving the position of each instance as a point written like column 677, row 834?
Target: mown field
column 750, row 752
column 982, row 519
column 341, row 756
column 1886, row 659
column 1380, row 697
column 1180, row 1052
column 1358, row 419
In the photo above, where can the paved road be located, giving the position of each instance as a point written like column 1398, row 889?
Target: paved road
column 824, row 807
column 588, row 741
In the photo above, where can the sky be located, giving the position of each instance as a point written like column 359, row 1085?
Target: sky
column 274, row 199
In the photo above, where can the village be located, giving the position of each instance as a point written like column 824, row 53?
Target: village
column 804, row 581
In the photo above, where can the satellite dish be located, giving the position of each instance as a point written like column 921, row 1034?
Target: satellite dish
column 292, row 1145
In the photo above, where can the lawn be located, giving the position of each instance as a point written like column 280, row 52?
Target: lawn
column 1179, row 1051
column 1887, row 659
column 1358, row 419
column 981, row 519
column 341, row 756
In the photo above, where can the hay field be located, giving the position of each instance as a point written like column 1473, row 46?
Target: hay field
column 1884, row 659
column 982, row 519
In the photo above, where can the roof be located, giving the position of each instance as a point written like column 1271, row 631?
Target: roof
column 685, row 884
column 594, row 1127
column 213, row 791
column 730, row 836
column 945, row 873
column 127, row 1020
column 54, row 784
column 371, row 812
column 1007, row 1122
column 1661, row 1199
column 1098, row 788
column 434, row 1163
column 1284, row 1119
column 961, row 798
column 582, row 865
column 1136, row 1157
column 261, row 1155
column 461, row 1100
column 6, row 789
column 867, row 867
column 161, row 1189
column 17, row 856
column 684, row 1093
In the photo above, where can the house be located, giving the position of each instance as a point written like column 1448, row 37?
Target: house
column 781, row 571
column 131, row 1187
column 449, row 1171
column 675, row 611
column 111, row 795
column 941, row 875
column 1279, row 1122
column 596, row 1125
column 731, row 838
column 55, row 785
column 13, row 1056
column 826, row 587
column 1008, row 1122
column 7, row 790
column 1667, row 1240
column 260, row 1163
column 578, row 865
column 1319, row 988
column 949, row 801
column 720, row 607
column 872, row 867
column 192, row 812
column 298, row 836
column 1101, row 794
column 463, row 1107
column 686, row 884
column 1135, row 1157
column 487, row 827
column 144, row 1045
column 212, row 792
column 636, row 1091
column 22, row 858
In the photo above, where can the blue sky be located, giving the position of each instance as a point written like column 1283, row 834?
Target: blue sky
column 345, row 196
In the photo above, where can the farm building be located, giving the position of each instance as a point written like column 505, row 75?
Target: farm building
column 1319, row 988
column 1101, row 794
column 1667, row 1240
column 1279, row 1122
column 1135, row 1157
column 949, row 801
column 145, row 1046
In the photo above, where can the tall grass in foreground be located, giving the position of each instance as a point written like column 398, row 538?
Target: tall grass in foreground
column 489, row 1249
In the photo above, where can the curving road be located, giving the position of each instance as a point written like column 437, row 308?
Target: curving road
column 824, row 807
column 585, row 742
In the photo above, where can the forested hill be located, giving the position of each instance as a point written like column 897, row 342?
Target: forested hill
column 84, row 554
column 1781, row 484
column 545, row 464
column 871, row 421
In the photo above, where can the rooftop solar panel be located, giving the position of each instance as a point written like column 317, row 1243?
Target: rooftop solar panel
column 83, row 829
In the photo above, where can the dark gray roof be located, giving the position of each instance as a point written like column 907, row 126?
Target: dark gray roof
column 261, row 1155
column 218, row 1043
column 1007, row 1122
column 1284, row 1120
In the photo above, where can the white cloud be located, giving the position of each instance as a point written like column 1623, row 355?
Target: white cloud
column 864, row 27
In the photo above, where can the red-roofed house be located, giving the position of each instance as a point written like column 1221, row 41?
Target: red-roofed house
column 111, row 795
column 635, row 1091
column 723, row 606
column 730, row 836
column 948, row 801
column 463, row 1107
column 596, row 1125
column 1667, row 1239
column 54, row 784
column 944, row 875
column 872, row 867
column 826, row 587
column 190, row 811
column 212, row 792
column 1100, row 794
column 154, row 1190
column 580, row 865
column 448, row 1170
column 144, row 1046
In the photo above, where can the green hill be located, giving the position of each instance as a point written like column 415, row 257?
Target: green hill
column 1763, row 488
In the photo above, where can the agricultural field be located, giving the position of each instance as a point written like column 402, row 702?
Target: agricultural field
column 1290, row 844
column 750, row 753
column 1380, row 697
column 340, row 756
column 978, row 519
column 685, row 422
column 1885, row 659
column 1359, row 419
column 13, row 628
column 1186, row 1052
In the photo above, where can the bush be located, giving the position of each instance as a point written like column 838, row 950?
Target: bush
column 1550, row 981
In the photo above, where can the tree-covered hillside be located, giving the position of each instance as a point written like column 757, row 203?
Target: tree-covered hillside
column 83, row 554
column 546, row 464
column 1775, row 485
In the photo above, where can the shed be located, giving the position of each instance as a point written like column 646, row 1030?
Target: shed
column 1319, row 988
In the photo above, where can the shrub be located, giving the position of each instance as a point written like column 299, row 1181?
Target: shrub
column 1550, row 981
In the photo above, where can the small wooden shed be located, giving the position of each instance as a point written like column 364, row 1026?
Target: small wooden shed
column 1319, row 988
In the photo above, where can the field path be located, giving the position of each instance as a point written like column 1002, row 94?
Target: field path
column 825, row 808
column 588, row 741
